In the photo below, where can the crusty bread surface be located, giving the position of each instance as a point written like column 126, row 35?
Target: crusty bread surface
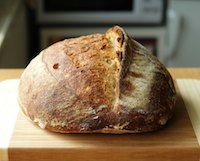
column 100, row 83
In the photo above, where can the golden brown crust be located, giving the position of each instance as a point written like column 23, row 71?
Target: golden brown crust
column 98, row 83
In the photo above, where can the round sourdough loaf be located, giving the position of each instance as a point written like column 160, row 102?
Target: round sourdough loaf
column 101, row 83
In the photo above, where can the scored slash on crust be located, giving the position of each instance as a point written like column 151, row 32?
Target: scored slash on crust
column 105, row 83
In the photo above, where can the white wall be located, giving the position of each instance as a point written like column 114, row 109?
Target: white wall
column 187, row 53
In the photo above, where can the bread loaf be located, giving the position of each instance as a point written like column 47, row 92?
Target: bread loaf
column 100, row 83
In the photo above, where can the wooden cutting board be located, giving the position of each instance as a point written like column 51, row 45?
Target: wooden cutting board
column 21, row 140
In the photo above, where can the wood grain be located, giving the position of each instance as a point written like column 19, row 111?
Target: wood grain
column 190, row 92
column 183, row 73
column 10, row 73
column 177, row 141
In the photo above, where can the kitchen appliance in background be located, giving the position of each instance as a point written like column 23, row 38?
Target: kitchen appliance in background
column 187, row 46
column 144, row 12
column 144, row 20
column 152, row 38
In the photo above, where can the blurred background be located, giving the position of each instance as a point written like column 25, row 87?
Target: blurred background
column 170, row 29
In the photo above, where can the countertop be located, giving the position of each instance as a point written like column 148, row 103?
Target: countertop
column 177, row 73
